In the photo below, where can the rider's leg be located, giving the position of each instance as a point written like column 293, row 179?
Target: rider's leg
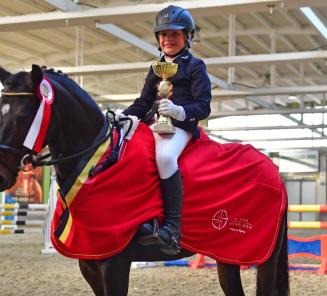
column 168, row 234
column 168, row 149
column 170, row 231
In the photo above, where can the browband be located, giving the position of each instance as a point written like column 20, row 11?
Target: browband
column 18, row 93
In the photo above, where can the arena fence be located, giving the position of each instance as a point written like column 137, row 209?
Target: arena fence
column 21, row 218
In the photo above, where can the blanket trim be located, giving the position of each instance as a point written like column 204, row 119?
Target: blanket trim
column 65, row 229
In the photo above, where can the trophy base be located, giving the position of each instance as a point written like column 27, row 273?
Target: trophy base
column 164, row 128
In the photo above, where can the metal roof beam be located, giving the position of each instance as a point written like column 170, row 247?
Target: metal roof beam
column 141, row 12
column 235, row 94
column 276, row 58
column 266, row 112
column 268, row 127
column 285, row 30
column 248, row 60
column 65, row 5
column 130, row 38
column 284, row 78
column 272, row 91
column 205, row 5
column 311, row 139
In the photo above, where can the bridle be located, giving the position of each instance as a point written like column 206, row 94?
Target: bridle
column 36, row 160
column 17, row 93
column 40, row 160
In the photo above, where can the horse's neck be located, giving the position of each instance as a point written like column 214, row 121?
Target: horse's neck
column 76, row 128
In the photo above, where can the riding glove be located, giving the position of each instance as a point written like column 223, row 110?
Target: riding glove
column 168, row 108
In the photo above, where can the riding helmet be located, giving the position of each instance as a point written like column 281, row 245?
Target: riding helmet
column 175, row 18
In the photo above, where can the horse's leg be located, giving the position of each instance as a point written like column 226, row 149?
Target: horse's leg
column 92, row 274
column 107, row 277
column 230, row 279
column 115, row 275
column 272, row 276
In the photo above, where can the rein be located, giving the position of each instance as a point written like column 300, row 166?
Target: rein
column 40, row 160
column 111, row 159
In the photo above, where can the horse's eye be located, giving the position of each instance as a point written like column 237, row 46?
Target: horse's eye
column 8, row 84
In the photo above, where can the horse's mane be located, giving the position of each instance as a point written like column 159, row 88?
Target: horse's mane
column 73, row 88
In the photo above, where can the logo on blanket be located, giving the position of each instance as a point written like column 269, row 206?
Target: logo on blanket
column 220, row 220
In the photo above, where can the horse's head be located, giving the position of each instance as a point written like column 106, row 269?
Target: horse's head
column 74, row 124
column 19, row 104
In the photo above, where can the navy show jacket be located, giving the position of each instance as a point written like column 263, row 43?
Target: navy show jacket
column 191, row 89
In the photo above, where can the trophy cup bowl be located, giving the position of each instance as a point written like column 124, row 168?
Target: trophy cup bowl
column 164, row 70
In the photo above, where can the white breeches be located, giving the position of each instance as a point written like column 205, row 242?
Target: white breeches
column 168, row 148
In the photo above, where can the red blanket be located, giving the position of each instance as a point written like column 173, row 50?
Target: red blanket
column 234, row 202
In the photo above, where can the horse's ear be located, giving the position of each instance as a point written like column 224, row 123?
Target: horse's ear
column 36, row 75
column 4, row 74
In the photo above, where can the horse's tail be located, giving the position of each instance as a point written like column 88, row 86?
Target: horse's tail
column 282, row 275
column 279, row 264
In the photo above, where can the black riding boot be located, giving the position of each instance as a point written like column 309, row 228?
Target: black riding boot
column 170, row 232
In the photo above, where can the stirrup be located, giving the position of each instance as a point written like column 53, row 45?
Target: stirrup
column 150, row 239
column 171, row 247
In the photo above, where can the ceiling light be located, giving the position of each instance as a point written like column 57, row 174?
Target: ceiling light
column 315, row 20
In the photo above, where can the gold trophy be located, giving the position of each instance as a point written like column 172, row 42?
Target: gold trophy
column 164, row 70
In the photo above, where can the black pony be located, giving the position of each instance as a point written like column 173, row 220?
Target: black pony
column 69, row 133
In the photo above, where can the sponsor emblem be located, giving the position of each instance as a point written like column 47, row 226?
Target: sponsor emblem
column 221, row 220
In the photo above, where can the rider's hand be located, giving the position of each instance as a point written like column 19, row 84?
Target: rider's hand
column 168, row 108
column 125, row 124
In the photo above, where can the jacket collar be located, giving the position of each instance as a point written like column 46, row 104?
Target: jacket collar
column 185, row 56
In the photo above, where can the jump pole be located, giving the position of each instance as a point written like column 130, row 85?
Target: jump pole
column 18, row 206
column 17, row 213
column 307, row 224
column 307, row 208
column 23, row 222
